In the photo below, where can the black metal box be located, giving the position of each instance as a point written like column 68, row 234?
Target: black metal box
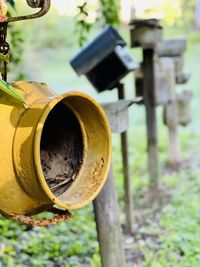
column 104, row 61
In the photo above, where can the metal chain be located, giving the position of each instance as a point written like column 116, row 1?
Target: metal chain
column 4, row 48
column 44, row 5
column 35, row 3
column 61, row 216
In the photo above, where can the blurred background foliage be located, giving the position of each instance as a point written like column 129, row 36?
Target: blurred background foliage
column 178, row 13
column 81, row 19
column 41, row 50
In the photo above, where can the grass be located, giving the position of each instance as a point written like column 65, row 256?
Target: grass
column 66, row 244
column 179, row 226
column 167, row 234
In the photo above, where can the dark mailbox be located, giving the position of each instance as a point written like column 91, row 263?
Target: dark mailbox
column 104, row 61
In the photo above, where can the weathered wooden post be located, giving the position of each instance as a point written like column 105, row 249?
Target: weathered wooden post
column 184, row 108
column 105, row 62
column 117, row 113
column 165, row 95
column 106, row 210
column 147, row 34
column 108, row 226
column 128, row 197
column 168, row 69
column 150, row 104
column 171, row 108
column 171, row 53
column 106, row 205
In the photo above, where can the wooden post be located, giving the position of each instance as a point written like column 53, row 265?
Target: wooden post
column 128, row 198
column 108, row 226
column 172, row 114
column 150, row 104
column 174, row 146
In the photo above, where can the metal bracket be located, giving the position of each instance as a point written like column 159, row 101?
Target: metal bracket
column 43, row 4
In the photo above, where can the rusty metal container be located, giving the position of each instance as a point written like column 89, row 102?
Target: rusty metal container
column 50, row 123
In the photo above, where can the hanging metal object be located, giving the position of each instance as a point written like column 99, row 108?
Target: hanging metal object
column 44, row 6
column 4, row 48
column 55, row 151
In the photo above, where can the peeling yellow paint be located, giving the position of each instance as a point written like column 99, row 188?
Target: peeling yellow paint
column 23, row 188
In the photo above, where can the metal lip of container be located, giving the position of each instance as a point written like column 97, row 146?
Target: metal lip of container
column 23, row 187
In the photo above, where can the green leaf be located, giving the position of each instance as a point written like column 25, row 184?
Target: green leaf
column 10, row 90
column 4, row 58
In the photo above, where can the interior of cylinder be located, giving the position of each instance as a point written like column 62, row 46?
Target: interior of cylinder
column 97, row 152
column 61, row 148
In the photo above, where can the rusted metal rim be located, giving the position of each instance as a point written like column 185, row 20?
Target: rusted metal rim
column 37, row 157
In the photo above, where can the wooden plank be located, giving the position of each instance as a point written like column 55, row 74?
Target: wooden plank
column 138, row 79
column 178, row 63
column 151, row 23
column 117, row 113
column 146, row 37
column 117, row 106
column 108, row 226
column 162, row 94
column 182, row 77
column 128, row 197
column 171, row 48
column 184, row 107
column 150, row 104
column 172, row 115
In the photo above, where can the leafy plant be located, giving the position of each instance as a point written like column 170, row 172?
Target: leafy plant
column 110, row 11
column 67, row 244
column 11, row 2
column 82, row 26
column 4, row 58
column 16, row 41
column 10, row 90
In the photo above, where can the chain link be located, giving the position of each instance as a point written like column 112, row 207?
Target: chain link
column 4, row 49
column 4, row 46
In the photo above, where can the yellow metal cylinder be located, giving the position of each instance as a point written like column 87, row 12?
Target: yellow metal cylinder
column 23, row 185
